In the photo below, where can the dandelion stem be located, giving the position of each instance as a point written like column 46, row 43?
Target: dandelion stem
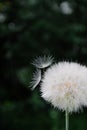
column 66, row 120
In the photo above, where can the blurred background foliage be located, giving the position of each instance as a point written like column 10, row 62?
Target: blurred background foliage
column 29, row 28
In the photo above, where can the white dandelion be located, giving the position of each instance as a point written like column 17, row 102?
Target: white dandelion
column 36, row 79
column 43, row 62
column 64, row 85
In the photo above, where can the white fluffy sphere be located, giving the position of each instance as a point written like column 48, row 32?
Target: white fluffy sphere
column 64, row 85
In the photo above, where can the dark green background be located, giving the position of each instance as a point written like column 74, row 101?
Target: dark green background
column 32, row 28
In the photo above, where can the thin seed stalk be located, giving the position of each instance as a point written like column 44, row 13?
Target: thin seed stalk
column 66, row 120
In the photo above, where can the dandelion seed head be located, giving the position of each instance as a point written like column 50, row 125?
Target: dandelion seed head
column 64, row 85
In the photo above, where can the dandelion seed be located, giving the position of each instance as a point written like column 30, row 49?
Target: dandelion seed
column 43, row 62
column 36, row 79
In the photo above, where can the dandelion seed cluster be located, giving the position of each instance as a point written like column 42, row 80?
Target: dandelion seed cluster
column 64, row 85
